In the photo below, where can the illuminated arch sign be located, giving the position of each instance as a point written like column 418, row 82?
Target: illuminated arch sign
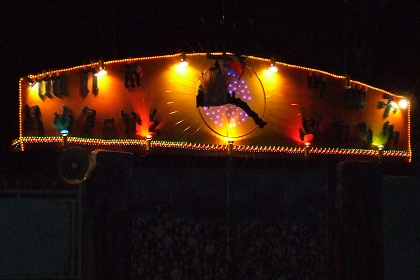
column 211, row 104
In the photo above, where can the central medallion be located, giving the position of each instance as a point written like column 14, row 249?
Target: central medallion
column 231, row 98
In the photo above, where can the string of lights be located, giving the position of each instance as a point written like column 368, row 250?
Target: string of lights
column 206, row 147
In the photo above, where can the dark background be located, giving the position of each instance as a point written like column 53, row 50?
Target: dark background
column 376, row 42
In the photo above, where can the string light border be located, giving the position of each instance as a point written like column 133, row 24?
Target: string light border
column 95, row 142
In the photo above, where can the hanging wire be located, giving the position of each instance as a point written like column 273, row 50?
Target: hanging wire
column 345, row 36
column 229, row 163
column 227, row 216
column 227, row 213
column 223, row 26
column 113, row 30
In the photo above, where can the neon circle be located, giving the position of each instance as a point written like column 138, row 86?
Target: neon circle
column 229, row 120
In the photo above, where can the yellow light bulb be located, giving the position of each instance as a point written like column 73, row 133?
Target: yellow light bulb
column 403, row 104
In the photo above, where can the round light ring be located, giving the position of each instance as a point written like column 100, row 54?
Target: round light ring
column 229, row 120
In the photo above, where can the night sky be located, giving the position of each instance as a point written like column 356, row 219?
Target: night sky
column 376, row 42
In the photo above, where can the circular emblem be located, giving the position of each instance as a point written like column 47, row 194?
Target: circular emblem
column 231, row 98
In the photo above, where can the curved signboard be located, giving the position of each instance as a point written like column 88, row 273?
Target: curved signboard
column 215, row 104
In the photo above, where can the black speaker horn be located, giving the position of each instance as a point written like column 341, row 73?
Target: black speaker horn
column 75, row 165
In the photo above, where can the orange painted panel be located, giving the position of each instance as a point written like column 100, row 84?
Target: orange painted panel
column 214, row 99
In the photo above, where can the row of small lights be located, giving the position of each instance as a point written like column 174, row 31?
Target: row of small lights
column 208, row 147
column 272, row 61
column 273, row 68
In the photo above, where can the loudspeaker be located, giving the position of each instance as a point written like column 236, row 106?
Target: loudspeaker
column 75, row 165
